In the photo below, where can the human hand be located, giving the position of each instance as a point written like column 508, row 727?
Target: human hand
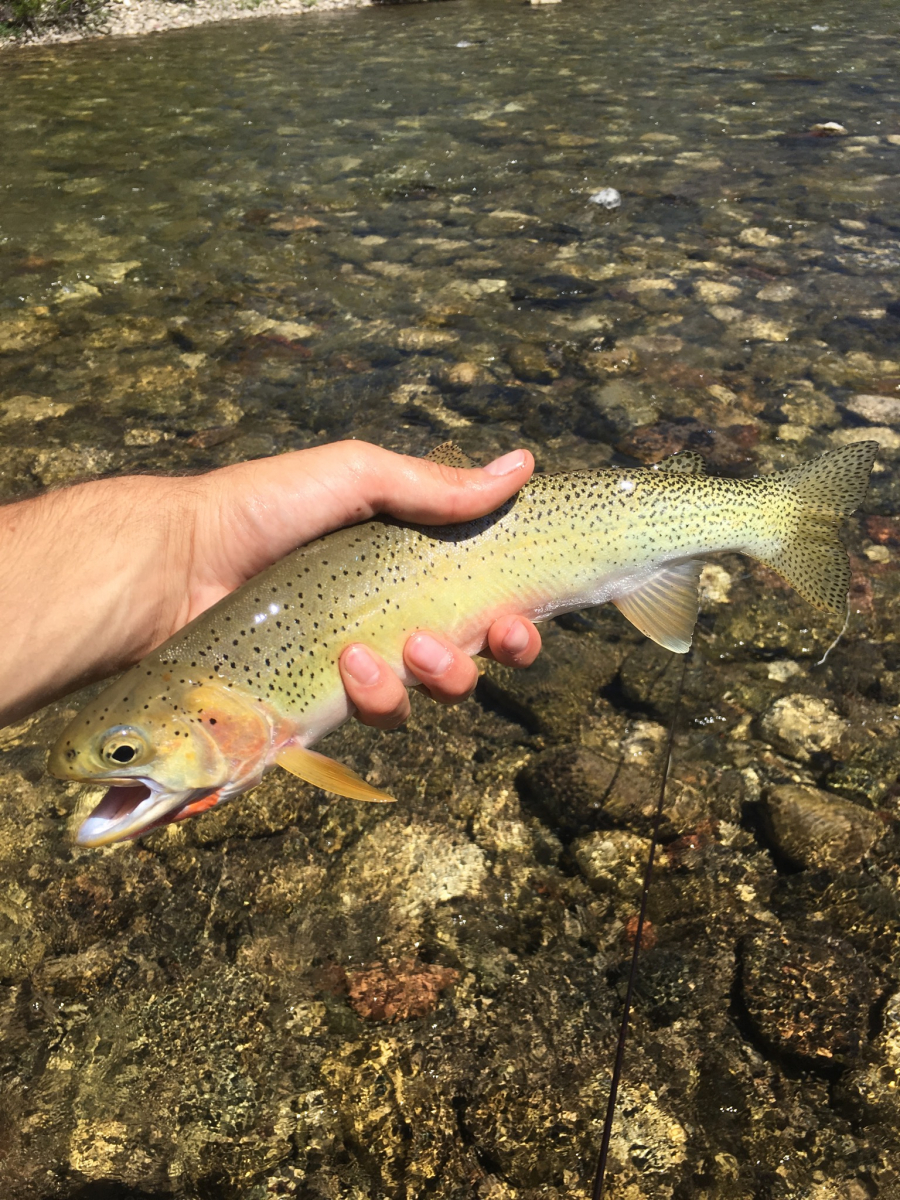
column 269, row 506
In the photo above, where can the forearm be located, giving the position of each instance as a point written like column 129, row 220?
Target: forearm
column 80, row 587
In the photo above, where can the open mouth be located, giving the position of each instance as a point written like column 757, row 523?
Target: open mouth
column 134, row 807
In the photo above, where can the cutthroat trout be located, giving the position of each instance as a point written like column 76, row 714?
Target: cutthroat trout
column 254, row 681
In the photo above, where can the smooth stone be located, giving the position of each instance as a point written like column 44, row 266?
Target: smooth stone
column 877, row 410
column 819, row 830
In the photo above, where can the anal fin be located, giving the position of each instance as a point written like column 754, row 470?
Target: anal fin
column 329, row 775
column 664, row 607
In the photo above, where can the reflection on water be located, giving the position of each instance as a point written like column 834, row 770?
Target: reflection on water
column 224, row 242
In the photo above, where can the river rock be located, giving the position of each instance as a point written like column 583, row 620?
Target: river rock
column 569, row 786
column 876, row 410
column 531, row 363
column 424, row 340
column 802, row 726
column 808, row 997
column 600, row 364
column 576, row 790
column 460, row 376
column 820, row 830
column 555, row 694
column 612, row 860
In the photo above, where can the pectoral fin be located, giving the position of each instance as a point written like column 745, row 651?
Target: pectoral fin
column 329, row 775
column 665, row 606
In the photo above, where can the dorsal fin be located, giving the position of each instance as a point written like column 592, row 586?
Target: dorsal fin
column 686, row 462
column 448, row 454
column 664, row 607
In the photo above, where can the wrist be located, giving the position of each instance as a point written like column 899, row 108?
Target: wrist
column 95, row 576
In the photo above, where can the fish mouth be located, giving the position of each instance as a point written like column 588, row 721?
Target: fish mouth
column 135, row 806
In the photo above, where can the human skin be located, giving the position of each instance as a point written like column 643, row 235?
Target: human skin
column 98, row 574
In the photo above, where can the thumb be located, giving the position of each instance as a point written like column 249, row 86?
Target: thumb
column 270, row 506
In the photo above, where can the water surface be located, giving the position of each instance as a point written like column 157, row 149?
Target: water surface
column 229, row 241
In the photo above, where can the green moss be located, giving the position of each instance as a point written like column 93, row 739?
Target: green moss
column 19, row 18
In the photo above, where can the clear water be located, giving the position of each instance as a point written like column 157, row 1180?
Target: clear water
column 353, row 177
column 230, row 241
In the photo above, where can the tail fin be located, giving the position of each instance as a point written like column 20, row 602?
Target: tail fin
column 824, row 493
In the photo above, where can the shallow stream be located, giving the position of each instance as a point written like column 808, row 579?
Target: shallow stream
column 233, row 240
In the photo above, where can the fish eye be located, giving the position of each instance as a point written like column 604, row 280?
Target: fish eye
column 123, row 747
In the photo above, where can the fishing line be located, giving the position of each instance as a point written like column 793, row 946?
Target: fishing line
column 597, row 1193
column 838, row 638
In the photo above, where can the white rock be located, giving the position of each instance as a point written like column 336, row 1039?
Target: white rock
column 803, row 725
column 877, row 410
column 607, row 198
column 715, row 584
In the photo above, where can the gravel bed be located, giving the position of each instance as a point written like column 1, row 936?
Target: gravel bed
column 129, row 18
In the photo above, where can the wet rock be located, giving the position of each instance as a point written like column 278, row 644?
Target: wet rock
column 871, row 1089
column 612, row 860
column 888, row 439
column 803, row 726
column 877, row 410
column 608, row 198
column 26, row 333
column 30, row 408
column 459, row 377
column 723, row 449
column 575, row 790
column 819, row 830
column 885, row 531
column 714, row 291
column 554, row 291
column 649, row 678
column 715, row 585
column 808, row 997
column 858, row 783
column 424, row 340
column 600, row 364
column 71, row 464
column 655, row 343
column 569, row 787
column 429, row 866
column 555, row 694
column 397, row 990
column 622, row 403
column 777, row 293
column 806, row 406
column 531, row 363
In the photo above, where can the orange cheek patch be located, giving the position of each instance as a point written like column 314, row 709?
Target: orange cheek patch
column 240, row 731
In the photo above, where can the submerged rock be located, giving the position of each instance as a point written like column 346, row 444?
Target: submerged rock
column 531, row 363
column 808, row 997
column 819, row 830
column 556, row 694
column 803, row 726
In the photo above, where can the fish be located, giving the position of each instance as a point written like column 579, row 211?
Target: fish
column 254, row 681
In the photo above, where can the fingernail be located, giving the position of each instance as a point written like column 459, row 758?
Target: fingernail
column 428, row 654
column 360, row 664
column 516, row 638
column 514, row 461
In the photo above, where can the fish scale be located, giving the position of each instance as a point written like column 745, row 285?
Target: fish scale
column 255, row 680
